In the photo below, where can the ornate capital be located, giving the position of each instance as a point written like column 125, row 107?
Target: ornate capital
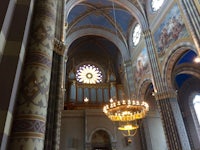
column 168, row 93
column 59, row 47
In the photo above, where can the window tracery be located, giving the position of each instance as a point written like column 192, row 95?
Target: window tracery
column 89, row 74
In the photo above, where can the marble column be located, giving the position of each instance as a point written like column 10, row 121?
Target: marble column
column 29, row 122
column 190, row 10
column 174, row 127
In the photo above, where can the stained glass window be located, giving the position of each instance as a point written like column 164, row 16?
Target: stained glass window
column 89, row 74
column 156, row 4
column 136, row 34
column 196, row 103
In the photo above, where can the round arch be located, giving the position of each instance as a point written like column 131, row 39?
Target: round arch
column 171, row 59
column 185, row 97
column 98, row 32
column 104, row 129
column 143, row 88
column 192, row 69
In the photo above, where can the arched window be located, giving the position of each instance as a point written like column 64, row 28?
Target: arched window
column 136, row 34
column 156, row 4
column 196, row 103
column 89, row 74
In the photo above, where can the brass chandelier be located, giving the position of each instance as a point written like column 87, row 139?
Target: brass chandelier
column 126, row 113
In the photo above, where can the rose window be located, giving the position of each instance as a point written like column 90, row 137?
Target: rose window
column 89, row 74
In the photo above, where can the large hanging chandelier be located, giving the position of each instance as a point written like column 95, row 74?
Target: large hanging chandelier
column 126, row 113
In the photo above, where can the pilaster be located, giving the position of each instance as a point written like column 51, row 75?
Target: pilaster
column 193, row 20
column 172, row 119
column 176, row 136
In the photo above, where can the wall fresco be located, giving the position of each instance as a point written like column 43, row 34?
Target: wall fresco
column 141, row 66
column 171, row 29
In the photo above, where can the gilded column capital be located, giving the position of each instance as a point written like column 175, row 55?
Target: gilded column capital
column 59, row 47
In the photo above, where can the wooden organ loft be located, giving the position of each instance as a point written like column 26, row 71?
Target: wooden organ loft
column 97, row 94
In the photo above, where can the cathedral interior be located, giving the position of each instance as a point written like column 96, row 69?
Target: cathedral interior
column 67, row 59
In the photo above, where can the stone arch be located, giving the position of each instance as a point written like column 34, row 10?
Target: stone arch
column 192, row 69
column 171, row 59
column 101, row 138
column 152, row 119
column 143, row 88
column 185, row 97
column 131, row 8
column 104, row 129
column 146, row 94
column 102, row 33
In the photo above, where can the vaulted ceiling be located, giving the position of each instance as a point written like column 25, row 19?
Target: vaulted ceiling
column 98, row 16
column 103, row 14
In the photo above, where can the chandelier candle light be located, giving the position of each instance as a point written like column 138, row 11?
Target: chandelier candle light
column 126, row 112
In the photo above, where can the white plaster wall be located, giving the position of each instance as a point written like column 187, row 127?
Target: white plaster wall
column 72, row 131
column 77, row 126
column 154, row 133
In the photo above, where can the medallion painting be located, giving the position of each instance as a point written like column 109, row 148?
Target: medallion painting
column 171, row 29
column 141, row 65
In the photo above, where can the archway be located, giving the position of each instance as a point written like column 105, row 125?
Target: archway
column 186, row 80
column 101, row 140
column 152, row 125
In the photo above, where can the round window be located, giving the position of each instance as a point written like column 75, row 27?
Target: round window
column 89, row 74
